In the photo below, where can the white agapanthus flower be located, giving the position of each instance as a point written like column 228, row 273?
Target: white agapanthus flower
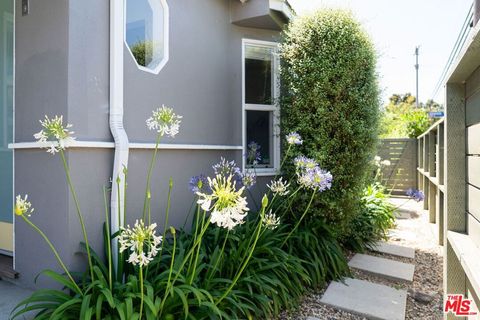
column 23, row 206
column 271, row 221
column 141, row 241
column 55, row 133
column 279, row 187
column 294, row 138
column 386, row 163
column 164, row 121
column 227, row 205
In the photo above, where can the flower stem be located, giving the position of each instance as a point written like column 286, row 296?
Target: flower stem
column 119, row 212
column 167, row 210
column 214, row 269
column 195, row 261
column 245, row 263
column 141, row 292
column 149, row 177
column 79, row 212
column 290, row 201
column 167, row 213
column 125, row 174
column 109, row 245
column 301, row 218
column 170, row 271
column 57, row 256
column 197, row 221
column 186, row 258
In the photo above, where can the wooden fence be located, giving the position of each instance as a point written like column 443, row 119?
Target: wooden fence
column 401, row 174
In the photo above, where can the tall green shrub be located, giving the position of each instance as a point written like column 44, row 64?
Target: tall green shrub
column 330, row 97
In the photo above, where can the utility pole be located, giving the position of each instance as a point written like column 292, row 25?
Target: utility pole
column 416, row 69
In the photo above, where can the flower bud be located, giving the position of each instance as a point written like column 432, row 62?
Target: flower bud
column 264, row 201
column 172, row 230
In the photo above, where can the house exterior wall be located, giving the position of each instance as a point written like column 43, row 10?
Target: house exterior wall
column 63, row 68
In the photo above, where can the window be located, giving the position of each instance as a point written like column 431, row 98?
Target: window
column 146, row 33
column 260, row 109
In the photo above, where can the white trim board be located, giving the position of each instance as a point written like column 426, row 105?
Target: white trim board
column 111, row 145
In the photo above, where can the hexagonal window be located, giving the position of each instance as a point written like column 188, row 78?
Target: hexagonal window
column 146, row 33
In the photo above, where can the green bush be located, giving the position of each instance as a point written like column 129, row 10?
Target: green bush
column 331, row 97
column 403, row 119
column 374, row 220
column 417, row 122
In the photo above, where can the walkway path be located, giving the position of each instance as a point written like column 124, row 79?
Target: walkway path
column 401, row 279
column 10, row 296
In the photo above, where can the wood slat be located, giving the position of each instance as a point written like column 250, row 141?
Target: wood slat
column 472, row 109
column 473, row 139
column 473, row 171
column 473, row 83
column 473, row 201
column 473, row 229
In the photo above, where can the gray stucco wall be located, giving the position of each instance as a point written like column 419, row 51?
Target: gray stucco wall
column 62, row 68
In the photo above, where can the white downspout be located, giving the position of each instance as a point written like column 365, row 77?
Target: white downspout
column 117, row 14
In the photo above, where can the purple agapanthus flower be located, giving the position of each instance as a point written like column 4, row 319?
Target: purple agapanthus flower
column 302, row 163
column 415, row 194
column 315, row 178
column 253, row 153
column 199, row 184
column 227, row 168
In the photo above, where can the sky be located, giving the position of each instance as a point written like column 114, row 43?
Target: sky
column 396, row 28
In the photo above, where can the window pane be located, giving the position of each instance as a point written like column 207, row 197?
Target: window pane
column 259, row 131
column 258, row 75
column 144, row 31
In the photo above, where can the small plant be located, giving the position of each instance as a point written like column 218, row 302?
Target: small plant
column 374, row 220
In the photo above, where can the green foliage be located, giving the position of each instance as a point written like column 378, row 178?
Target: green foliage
column 403, row 119
column 331, row 98
column 417, row 122
column 256, row 269
column 374, row 220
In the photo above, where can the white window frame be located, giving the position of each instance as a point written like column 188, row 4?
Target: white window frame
column 274, row 108
column 166, row 32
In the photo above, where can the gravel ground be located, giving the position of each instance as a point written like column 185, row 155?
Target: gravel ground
column 419, row 234
column 424, row 299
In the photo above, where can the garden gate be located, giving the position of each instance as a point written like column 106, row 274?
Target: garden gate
column 401, row 174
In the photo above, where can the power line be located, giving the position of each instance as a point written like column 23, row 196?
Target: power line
column 461, row 39
column 416, row 70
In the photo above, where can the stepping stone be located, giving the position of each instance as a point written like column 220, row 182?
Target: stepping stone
column 369, row 300
column 382, row 267
column 395, row 250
